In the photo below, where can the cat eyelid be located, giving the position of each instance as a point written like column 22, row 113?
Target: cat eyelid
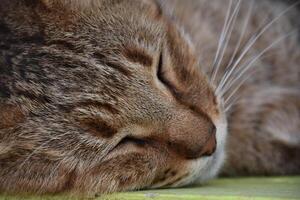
column 160, row 73
column 159, row 66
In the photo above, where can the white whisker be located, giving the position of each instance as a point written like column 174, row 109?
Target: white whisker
column 228, row 34
column 252, row 41
column 238, row 87
column 246, row 22
column 228, row 98
column 233, row 102
column 254, row 59
column 40, row 147
column 34, row 152
column 222, row 36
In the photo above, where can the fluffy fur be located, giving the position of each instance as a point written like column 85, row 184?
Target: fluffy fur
column 102, row 96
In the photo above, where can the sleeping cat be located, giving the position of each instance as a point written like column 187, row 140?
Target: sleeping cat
column 100, row 96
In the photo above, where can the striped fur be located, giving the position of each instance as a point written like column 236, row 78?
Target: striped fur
column 100, row 96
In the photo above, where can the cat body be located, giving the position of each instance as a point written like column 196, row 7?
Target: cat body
column 102, row 96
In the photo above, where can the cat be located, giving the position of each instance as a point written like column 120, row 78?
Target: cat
column 99, row 96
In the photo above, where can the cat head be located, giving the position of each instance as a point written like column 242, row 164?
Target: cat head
column 113, row 91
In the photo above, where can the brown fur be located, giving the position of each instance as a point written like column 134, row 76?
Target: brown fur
column 264, row 123
column 102, row 96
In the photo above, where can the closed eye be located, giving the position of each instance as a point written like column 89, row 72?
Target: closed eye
column 162, row 76
column 160, row 70
column 137, row 141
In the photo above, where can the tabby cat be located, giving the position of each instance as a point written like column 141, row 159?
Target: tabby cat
column 99, row 96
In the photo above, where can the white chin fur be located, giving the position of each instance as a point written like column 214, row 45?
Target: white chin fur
column 206, row 168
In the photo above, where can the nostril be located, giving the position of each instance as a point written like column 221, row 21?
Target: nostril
column 192, row 152
column 212, row 129
column 210, row 145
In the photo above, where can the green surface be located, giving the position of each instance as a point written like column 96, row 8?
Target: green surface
column 223, row 188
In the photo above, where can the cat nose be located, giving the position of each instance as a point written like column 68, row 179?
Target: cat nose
column 206, row 149
column 193, row 142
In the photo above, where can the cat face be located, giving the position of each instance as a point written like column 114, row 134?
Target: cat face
column 114, row 95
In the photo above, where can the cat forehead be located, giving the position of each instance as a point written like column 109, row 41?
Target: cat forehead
column 117, row 21
column 92, row 5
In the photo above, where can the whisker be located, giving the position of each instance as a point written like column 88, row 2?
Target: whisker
column 34, row 152
column 254, row 38
column 228, row 33
column 228, row 98
column 52, row 173
column 222, row 36
column 238, row 87
column 246, row 22
column 233, row 102
column 40, row 147
column 247, row 66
